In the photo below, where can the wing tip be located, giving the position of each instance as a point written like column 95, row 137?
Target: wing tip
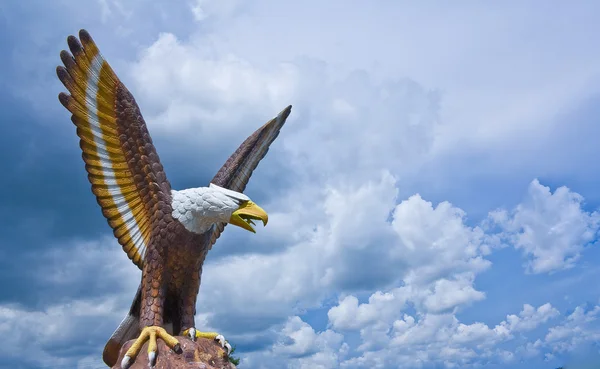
column 285, row 112
column 64, row 99
column 67, row 59
column 280, row 119
column 87, row 41
column 74, row 45
column 84, row 35
column 63, row 75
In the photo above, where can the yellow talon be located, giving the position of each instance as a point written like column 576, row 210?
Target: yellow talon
column 198, row 334
column 149, row 334
column 195, row 334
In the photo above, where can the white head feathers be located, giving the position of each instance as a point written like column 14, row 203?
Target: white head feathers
column 199, row 208
column 234, row 195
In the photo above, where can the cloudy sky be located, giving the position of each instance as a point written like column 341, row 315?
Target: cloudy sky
column 433, row 198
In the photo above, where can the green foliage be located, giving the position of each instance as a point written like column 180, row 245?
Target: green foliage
column 234, row 360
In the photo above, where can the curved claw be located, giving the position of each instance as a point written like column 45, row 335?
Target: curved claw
column 221, row 340
column 126, row 362
column 152, row 358
column 191, row 333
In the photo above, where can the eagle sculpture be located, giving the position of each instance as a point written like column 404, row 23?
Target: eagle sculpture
column 166, row 233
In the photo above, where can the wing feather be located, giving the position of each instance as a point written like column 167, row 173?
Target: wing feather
column 238, row 169
column 122, row 165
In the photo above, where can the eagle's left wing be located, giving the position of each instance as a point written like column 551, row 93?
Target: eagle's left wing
column 237, row 170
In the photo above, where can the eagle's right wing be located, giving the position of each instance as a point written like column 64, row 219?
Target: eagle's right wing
column 237, row 170
column 122, row 165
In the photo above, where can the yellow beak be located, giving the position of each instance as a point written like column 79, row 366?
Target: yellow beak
column 247, row 212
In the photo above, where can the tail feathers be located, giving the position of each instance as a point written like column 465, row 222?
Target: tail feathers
column 127, row 330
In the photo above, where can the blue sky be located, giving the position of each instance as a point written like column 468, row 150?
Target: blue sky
column 433, row 197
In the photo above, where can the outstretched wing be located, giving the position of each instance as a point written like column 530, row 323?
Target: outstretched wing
column 122, row 165
column 237, row 170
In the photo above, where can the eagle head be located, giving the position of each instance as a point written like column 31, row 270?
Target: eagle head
column 198, row 209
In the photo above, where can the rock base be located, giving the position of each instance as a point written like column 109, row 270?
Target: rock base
column 202, row 354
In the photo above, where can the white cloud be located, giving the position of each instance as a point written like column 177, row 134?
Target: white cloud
column 574, row 334
column 495, row 85
column 448, row 294
column 205, row 9
column 531, row 349
column 191, row 88
column 435, row 258
column 112, row 8
column 355, row 247
column 44, row 333
column 436, row 240
column 530, row 317
column 579, row 327
column 303, row 340
column 349, row 315
column 551, row 229
column 96, row 284
column 195, row 90
column 327, row 259
column 441, row 339
column 300, row 347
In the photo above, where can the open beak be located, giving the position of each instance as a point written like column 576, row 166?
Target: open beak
column 247, row 212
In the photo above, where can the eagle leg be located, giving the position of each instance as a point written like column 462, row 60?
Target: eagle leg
column 194, row 334
column 149, row 334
